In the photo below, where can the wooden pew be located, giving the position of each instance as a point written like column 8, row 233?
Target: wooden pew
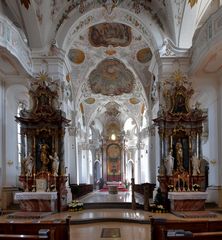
column 199, row 236
column 200, row 229
column 57, row 230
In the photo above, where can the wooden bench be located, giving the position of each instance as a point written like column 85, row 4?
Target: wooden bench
column 200, row 229
column 56, row 230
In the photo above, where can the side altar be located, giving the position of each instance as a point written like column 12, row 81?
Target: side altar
column 42, row 150
column 182, row 169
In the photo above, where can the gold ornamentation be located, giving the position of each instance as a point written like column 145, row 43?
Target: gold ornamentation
column 192, row 2
column 134, row 100
column 177, row 76
column 90, row 100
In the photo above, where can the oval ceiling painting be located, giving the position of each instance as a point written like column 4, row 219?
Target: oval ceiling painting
column 105, row 34
column 76, row 56
column 90, row 100
column 111, row 77
column 144, row 55
column 134, row 100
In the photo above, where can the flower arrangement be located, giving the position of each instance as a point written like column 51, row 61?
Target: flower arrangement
column 196, row 187
column 75, row 206
column 157, row 208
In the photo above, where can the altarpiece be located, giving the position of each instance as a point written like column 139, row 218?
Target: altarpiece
column 42, row 131
column 180, row 130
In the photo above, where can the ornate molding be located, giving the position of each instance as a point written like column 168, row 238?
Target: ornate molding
column 208, row 35
column 10, row 38
column 170, row 50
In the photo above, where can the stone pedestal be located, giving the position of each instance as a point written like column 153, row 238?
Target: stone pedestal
column 37, row 201
column 187, row 201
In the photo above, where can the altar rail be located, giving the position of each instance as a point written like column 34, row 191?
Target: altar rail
column 200, row 229
column 57, row 230
column 80, row 190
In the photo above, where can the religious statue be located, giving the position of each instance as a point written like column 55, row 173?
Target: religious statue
column 169, row 162
column 55, row 164
column 28, row 165
column 179, row 156
column 44, row 156
column 196, row 165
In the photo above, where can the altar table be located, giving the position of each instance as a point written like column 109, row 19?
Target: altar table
column 187, row 201
column 37, row 201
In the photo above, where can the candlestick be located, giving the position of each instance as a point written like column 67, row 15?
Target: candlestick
column 188, row 183
column 48, row 189
column 27, row 183
column 179, row 183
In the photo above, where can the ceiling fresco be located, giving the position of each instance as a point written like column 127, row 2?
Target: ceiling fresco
column 76, row 56
column 144, row 55
column 111, row 77
column 105, row 34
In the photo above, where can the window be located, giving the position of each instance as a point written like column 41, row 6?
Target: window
column 19, row 136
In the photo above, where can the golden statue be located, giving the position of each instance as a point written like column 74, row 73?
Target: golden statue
column 44, row 156
column 179, row 156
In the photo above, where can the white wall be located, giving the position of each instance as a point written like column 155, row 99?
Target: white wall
column 14, row 94
column 207, row 92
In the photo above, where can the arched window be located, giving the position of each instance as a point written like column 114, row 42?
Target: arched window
column 19, row 136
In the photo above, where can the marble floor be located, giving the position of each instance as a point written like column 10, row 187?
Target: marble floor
column 121, row 197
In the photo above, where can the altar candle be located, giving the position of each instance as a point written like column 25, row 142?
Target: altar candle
column 178, row 181
column 34, row 178
column 48, row 177
column 171, row 141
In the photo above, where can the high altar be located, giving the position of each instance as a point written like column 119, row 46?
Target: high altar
column 42, row 169
column 181, row 171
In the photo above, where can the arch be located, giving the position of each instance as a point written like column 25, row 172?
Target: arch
column 73, row 27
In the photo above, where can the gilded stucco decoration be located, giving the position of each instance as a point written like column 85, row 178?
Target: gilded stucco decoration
column 144, row 55
column 105, row 34
column 134, row 100
column 111, row 77
column 90, row 100
column 76, row 56
column 192, row 2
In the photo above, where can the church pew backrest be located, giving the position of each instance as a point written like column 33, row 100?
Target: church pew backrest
column 159, row 228
column 58, row 230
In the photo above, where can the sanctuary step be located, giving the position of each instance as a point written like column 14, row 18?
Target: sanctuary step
column 99, row 205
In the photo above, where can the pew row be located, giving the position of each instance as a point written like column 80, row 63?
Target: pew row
column 52, row 230
column 195, row 229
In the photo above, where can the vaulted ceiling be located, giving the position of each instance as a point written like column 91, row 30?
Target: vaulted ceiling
column 112, row 46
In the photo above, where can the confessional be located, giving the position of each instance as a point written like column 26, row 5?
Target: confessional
column 42, row 131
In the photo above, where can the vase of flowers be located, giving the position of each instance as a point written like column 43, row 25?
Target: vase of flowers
column 75, row 206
